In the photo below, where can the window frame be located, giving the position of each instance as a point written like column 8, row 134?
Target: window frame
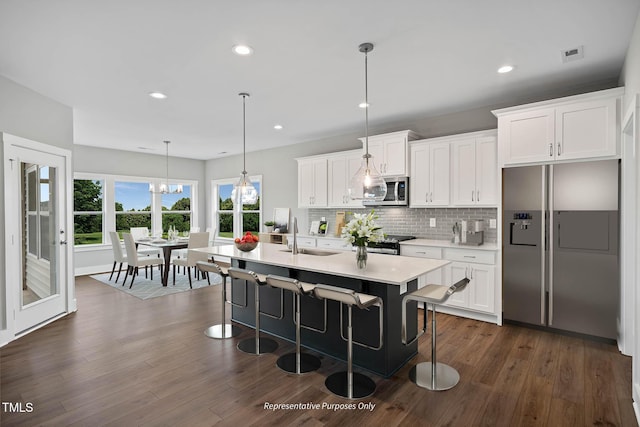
column 84, row 177
column 109, row 203
column 237, row 210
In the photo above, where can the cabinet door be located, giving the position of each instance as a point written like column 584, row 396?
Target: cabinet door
column 529, row 136
column 486, row 171
column 464, row 172
column 481, row 287
column 586, row 129
column 419, row 187
column 338, row 181
column 439, row 174
column 454, row 272
column 376, row 149
column 312, row 183
column 395, row 156
column 353, row 163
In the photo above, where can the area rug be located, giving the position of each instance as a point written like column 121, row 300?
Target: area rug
column 146, row 288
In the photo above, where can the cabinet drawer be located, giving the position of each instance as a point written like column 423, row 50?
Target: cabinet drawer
column 303, row 242
column 470, row 255
column 332, row 244
column 421, row 251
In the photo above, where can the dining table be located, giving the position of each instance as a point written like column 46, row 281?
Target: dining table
column 166, row 246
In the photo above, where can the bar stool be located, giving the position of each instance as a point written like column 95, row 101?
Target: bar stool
column 257, row 345
column 297, row 362
column 431, row 375
column 349, row 384
column 223, row 330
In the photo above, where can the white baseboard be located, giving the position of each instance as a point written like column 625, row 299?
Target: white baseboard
column 94, row 269
column 637, row 411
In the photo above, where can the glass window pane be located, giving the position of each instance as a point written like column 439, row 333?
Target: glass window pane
column 255, row 206
column 32, row 192
column 32, row 234
column 124, row 221
column 224, row 197
column 250, row 222
column 181, row 221
column 45, row 241
column 87, row 229
column 177, row 202
column 225, row 225
column 132, row 196
column 87, row 195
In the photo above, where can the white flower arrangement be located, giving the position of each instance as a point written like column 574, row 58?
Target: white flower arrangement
column 362, row 229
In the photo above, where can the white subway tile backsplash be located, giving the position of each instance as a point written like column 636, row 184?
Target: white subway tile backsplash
column 415, row 221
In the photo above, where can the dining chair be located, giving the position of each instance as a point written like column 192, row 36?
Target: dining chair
column 141, row 233
column 196, row 240
column 118, row 255
column 134, row 261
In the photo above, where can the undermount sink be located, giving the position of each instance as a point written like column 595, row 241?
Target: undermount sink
column 315, row 252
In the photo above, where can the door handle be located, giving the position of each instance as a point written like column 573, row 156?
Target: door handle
column 63, row 242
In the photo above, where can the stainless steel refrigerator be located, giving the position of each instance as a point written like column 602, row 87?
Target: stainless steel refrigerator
column 560, row 252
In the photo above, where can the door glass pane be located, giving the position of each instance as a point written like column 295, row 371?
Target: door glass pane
column 40, row 229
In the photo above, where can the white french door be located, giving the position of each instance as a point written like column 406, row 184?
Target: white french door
column 36, row 232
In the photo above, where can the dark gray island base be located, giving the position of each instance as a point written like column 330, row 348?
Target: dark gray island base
column 384, row 362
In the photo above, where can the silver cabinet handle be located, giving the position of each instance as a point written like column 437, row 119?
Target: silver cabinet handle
column 558, row 148
column 472, row 198
column 426, row 197
column 551, row 149
column 421, row 252
column 477, row 195
column 471, row 275
column 469, row 256
column 431, row 196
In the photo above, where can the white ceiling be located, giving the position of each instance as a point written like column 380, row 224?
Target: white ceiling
column 431, row 57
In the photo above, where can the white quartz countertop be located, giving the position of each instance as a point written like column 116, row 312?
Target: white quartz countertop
column 448, row 244
column 391, row 269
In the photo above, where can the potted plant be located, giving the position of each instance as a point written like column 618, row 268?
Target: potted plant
column 269, row 225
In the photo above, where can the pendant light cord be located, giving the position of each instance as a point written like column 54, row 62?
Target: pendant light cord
column 366, row 104
column 244, row 138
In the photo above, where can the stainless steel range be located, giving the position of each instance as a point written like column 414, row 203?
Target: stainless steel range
column 390, row 245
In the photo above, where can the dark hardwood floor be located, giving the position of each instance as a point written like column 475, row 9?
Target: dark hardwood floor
column 121, row 361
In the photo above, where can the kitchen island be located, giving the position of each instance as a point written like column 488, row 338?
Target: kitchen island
column 386, row 276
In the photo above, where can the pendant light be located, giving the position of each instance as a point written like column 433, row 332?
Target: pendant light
column 367, row 184
column 244, row 188
column 165, row 188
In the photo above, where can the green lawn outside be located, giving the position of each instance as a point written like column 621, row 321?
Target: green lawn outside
column 88, row 238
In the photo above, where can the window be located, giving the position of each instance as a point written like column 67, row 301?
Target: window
column 88, row 211
column 176, row 210
column 105, row 203
column 230, row 220
column 132, row 205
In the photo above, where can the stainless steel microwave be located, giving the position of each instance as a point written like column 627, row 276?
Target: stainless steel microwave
column 397, row 193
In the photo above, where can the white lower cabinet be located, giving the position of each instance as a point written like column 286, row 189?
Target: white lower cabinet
column 477, row 265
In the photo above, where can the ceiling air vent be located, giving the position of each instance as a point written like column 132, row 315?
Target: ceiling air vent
column 573, row 54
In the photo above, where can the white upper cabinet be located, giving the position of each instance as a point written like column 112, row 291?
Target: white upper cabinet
column 312, row 182
column 390, row 152
column 475, row 169
column 342, row 166
column 578, row 127
column 430, row 177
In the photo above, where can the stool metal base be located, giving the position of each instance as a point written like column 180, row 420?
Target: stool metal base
column 215, row 331
column 308, row 363
column 363, row 386
column 446, row 376
column 267, row 345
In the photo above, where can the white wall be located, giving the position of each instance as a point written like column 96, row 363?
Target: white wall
column 30, row 115
column 116, row 162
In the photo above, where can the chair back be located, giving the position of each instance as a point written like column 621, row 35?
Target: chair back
column 118, row 256
column 194, row 230
column 346, row 296
column 212, row 235
column 239, row 273
column 285, row 283
column 139, row 232
column 197, row 240
column 130, row 247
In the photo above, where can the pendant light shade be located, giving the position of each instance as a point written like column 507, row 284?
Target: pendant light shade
column 165, row 187
column 244, row 192
column 367, row 183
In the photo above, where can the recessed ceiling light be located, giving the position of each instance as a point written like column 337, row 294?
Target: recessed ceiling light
column 243, row 50
column 505, row 69
column 157, row 95
column 363, row 105
column 277, row 127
